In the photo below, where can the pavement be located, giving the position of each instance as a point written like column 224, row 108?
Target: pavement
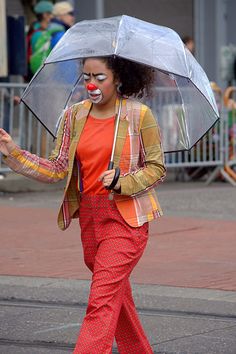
column 184, row 286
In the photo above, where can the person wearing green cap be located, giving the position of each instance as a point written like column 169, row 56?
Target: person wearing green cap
column 39, row 37
column 43, row 7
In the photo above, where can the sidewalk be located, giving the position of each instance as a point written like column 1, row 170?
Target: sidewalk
column 193, row 245
column 184, row 285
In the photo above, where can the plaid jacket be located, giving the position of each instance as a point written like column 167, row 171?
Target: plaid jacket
column 138, row 153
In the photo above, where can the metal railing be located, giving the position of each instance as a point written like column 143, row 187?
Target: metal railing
column 26, row 131
column 209, row 156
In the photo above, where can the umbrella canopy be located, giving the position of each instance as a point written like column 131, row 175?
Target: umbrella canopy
column 188, row 113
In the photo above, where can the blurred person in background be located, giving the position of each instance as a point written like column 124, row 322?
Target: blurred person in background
column 44, row 33
column 63, row 13
column 43, row 13
column 39, row 41
column 189, row 43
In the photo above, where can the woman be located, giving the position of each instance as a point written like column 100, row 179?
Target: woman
column 114, row 231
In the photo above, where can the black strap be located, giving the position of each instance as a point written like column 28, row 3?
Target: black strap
column 115, row 179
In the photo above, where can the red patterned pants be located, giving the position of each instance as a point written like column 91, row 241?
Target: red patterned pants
column 111, row 250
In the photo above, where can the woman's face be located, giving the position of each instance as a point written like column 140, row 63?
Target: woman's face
column 99, row 81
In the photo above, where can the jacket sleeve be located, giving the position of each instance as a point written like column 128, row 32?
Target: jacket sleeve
column 49, row 170
column 153, row 168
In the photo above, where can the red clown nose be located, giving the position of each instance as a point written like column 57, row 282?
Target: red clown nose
column 91, row 87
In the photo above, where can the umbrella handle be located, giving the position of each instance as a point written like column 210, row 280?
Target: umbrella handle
column 115, row 179
column 111, row 163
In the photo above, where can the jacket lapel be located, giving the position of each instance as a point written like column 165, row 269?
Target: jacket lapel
column 79, row 119
column 80, row 114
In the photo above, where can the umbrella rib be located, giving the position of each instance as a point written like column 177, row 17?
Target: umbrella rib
column 72, row 91
column 54, row 137
column 65, row 106
column 184, row 121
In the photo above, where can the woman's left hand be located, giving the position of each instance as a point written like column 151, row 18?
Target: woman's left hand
column 107, row 177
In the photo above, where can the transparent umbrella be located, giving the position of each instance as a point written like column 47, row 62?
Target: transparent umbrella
column 182, row 100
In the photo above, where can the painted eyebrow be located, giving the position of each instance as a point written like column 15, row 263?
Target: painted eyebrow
column 94, row 74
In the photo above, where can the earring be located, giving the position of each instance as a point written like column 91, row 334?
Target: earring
column 118, row 87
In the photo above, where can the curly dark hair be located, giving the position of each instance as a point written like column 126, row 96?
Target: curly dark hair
column 135, row 79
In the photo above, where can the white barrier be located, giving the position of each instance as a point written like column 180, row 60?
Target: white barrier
column 26, row 131
column 209, row 156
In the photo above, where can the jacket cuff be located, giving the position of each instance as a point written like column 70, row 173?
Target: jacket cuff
column 124, row 189
column 14, row 153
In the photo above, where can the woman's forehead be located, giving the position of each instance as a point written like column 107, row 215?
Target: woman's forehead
column 94, row 64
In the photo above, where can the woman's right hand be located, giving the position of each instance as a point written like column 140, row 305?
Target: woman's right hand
column 6, row 143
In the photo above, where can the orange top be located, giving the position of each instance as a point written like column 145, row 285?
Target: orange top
column 94, row 152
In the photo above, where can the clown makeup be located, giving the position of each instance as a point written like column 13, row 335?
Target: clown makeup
column 99, row 82
column 94, row 93
column 99, row 77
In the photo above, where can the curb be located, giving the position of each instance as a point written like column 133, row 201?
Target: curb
column 147, row 297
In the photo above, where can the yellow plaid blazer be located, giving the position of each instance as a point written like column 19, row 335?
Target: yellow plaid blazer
column 138, row 153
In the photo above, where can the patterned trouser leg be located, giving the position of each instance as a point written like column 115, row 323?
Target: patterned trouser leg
column 111, row 250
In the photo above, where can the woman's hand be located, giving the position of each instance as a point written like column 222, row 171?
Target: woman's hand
column 107, row 177
column 6, row 143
